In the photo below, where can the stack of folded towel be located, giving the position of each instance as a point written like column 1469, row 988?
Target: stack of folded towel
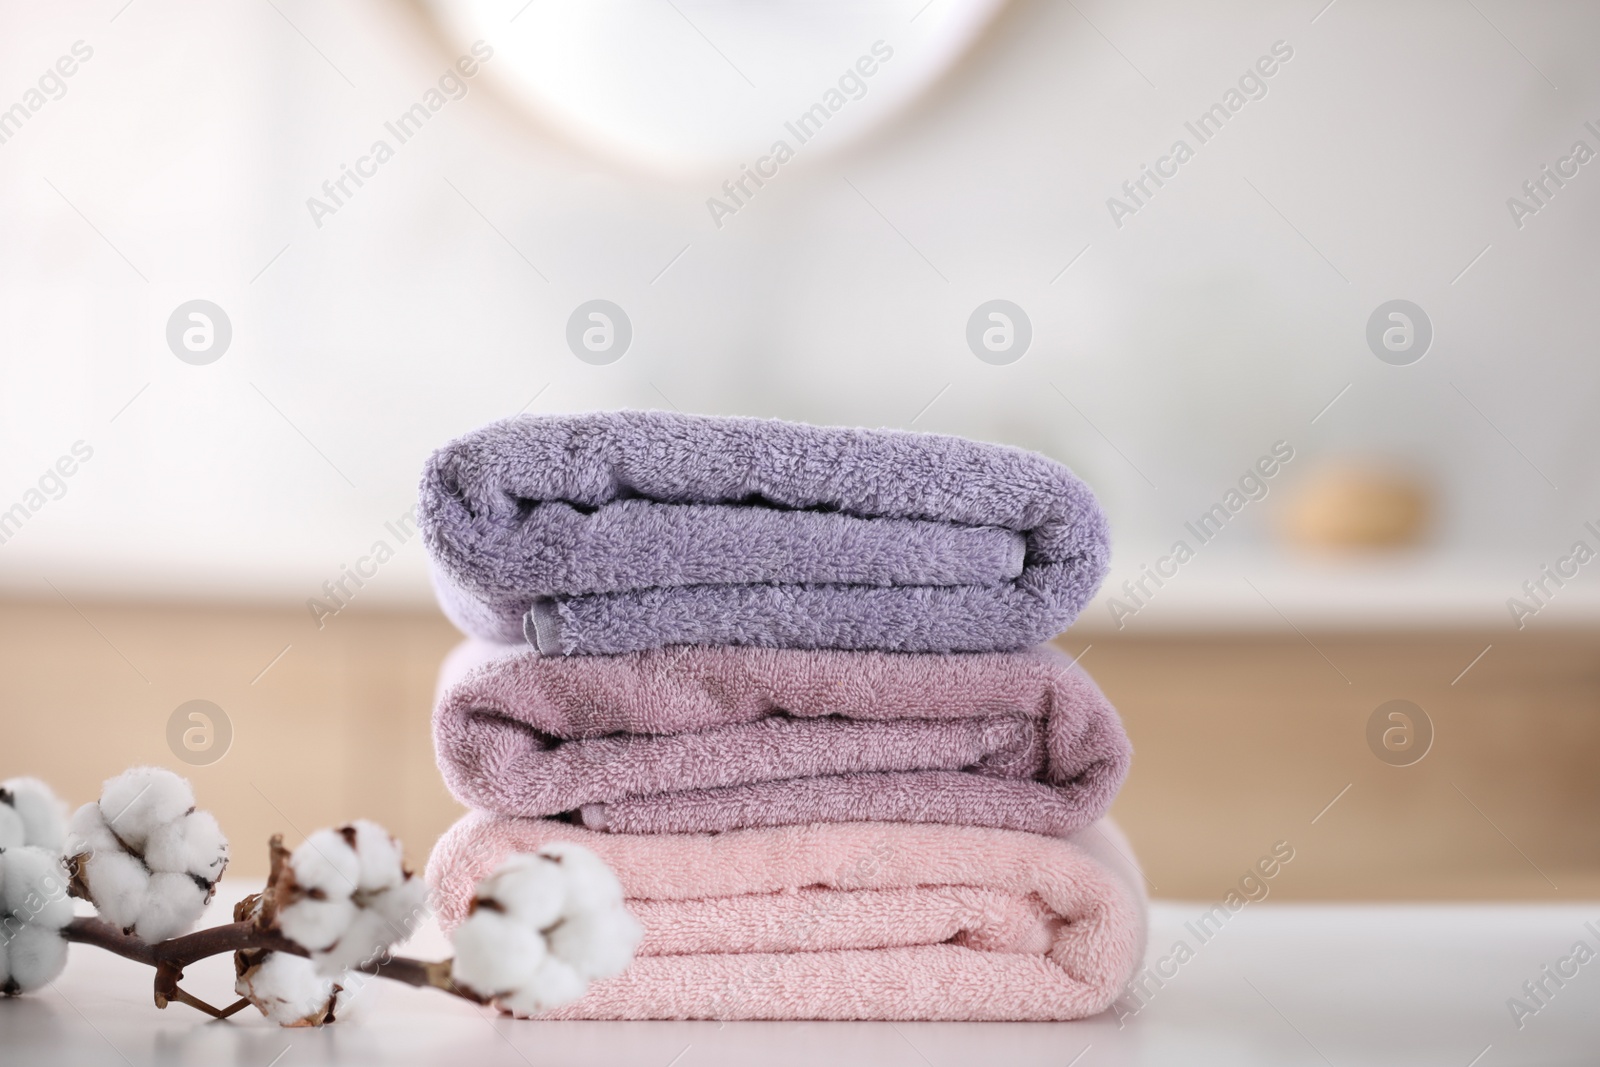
column 788, row 682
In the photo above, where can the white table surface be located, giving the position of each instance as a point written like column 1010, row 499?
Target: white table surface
column 1280, row 984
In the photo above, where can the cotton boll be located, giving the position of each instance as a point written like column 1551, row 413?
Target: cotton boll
column 362, row 942
column 13, row 831
column 382, row 920
column 404, row 906
column 553, row 984
column 597, row 944
column 495, row 954
column 353, row 897
column 118, row 884
column 325, row 861
column 171, row 906
column 35, row 956
column 87, row 832
column 139, row 800
column 560, row 911
column 287, row 989
column 192, row 845
column 147, row 859
column 590, row 883
column 370, row 936
column 317, row 924
column 381, row 861
column 165, row 850
column 530, row 888
column 44, row 816
column 34, row 887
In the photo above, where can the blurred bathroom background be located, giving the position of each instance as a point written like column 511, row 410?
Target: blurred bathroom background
column 180, row 520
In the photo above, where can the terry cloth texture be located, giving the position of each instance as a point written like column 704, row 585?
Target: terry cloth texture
column 697, row 739
column 843, row 921
column 623, row 531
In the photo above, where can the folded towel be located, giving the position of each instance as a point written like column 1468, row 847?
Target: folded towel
column 622, row 531
column 845, row 921
column 705, row 738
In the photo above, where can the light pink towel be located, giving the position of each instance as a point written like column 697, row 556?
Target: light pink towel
column 702, row 738
column 845, row 920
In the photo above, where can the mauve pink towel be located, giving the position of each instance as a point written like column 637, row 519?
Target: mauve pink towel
column 702, row 738
column 845, row 920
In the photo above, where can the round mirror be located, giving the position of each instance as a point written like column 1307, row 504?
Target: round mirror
column 679, row 87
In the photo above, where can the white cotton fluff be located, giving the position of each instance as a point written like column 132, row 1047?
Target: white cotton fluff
column 13, row 831
column 148, row 861
column 316, row 924
column 193, row 844
column 404, row 906
column 326, row 863
column 118, row 886
column 543, row 927
column 353, row 898
column 42, row 814
column 363, row 941
column 380, row 921
column 597, row 944
column 382, row 863
column 288, row 990
column 371, row 933
column 33, row 908
column 590, row 883
column 117, row 882
column 33, row 887
column 495, row 954
column 139, row 800
column 33, row 958
column 87, row 832
column 172, row 903
column 553, row 984
column 530, row 889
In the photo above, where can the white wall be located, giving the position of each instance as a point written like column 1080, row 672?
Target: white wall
column 1220, row 318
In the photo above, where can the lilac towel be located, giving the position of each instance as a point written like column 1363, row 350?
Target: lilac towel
column 709, row 738
column 629, row 530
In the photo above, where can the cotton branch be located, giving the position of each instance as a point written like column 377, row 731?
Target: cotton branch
column 540, row 928
column 253, row 933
